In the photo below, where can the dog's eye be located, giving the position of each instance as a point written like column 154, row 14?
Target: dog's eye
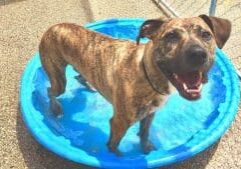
column 206, row 35
column 172, row 37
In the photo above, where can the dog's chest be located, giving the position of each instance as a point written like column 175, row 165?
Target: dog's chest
column 151, row 106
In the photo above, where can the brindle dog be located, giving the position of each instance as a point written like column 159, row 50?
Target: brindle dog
column 135, row 78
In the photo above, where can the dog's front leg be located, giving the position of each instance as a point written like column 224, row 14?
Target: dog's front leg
column 145, row 123
column 55, row 106
column 119, row 127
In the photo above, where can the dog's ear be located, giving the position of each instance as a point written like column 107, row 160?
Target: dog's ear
column 221, row 28
column 148, row 28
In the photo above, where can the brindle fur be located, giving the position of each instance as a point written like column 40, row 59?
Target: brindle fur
column 125, row 73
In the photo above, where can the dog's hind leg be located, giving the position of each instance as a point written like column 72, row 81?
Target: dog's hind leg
column 57, row 79
column 55, row 69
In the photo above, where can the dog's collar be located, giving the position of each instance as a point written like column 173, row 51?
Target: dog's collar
column 155, row 77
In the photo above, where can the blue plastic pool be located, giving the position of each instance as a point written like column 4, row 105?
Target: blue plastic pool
column 180, row 130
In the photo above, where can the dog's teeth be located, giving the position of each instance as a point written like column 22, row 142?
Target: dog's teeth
column 200, row 87
column 192, row 90
column 185, row 86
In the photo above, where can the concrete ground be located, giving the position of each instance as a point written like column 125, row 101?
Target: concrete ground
column 21, row 26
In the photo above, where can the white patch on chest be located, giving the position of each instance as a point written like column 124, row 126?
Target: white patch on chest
column 152, row 106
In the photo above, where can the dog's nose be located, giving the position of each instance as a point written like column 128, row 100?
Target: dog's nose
column 196, row 56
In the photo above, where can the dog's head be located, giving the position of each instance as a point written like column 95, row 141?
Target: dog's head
column 183, row 49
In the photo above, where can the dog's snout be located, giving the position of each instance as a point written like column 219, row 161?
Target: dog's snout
column 196, row 56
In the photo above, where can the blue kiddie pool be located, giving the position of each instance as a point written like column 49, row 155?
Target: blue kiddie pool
column 180, row 129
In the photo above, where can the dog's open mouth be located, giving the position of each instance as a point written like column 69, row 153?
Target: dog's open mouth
column 188, row 84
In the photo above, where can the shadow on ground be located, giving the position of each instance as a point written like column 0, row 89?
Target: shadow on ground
column 6, row 2
column 36, row 156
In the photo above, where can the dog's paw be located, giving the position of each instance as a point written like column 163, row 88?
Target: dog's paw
column 147, row 147
column 56, row 108
column 117, row 152
column 114, row 150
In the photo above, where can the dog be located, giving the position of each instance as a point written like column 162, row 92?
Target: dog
column 135, row 78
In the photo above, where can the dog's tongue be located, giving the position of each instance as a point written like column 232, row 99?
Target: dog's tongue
column 191, row 78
